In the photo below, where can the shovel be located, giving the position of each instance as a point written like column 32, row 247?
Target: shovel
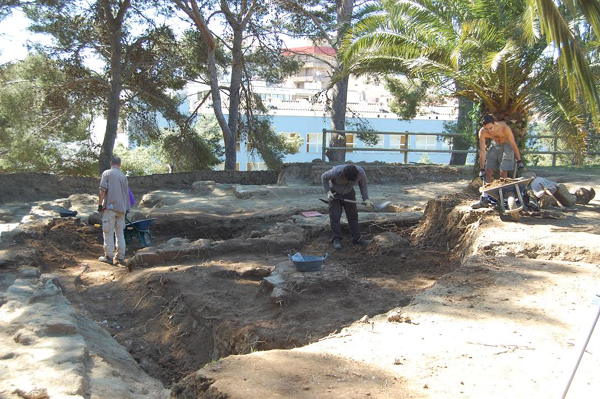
column 377, row 207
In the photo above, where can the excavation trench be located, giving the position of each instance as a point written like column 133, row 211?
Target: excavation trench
column 179, row 314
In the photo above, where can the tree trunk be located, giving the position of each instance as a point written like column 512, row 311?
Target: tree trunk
column 340, row 89
column 464, row 126
column 338, row 120
column 230, row 155
column 234, row 94
column 115, row 25
column 517, row 121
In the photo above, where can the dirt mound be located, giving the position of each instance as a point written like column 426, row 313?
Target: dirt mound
column 448, row 224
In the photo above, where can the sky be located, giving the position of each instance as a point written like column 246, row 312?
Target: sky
column 14, row 37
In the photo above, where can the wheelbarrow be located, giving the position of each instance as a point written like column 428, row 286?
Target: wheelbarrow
column 140, row 230
column 508, row 197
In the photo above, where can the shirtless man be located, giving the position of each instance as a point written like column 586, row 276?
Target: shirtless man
column 501, row 155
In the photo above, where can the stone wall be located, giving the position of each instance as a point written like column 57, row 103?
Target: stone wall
column 38, row 186
column 377, row 173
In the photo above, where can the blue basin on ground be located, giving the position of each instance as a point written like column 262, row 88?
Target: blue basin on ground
column 307, row 263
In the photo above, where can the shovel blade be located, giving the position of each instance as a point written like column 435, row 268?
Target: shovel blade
column 382, row 206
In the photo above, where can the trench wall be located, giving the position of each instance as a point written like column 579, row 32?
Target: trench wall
column 28, row 186
column 377, row 173
column 40, row 186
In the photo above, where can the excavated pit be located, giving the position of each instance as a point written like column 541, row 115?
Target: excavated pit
column 176, row 316
column 179, row 313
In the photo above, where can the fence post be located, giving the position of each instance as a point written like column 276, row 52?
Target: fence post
column 323, row 147
column 554, row 141
column 406, row 149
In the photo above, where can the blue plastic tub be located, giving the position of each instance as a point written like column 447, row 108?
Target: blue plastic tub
column 307, row 263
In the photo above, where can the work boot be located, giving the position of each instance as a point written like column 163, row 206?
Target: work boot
column 120, row 261
column 483, row 202
column 362, row 242
column 584, row 196
column 337, row 243
column 105, row 259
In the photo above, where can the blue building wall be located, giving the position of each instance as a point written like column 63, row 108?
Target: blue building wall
column 313, row 124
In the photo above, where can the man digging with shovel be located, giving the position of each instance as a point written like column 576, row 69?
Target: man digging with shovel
column 339, row 185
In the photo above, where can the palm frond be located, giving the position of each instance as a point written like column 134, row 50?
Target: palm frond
column 571, row 56
column 565, row 115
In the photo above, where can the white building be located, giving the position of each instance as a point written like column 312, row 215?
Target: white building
column 298, row 108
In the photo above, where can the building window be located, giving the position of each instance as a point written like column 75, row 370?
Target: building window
column 349, row 142
column 378, row 145
column 314, row 142
column 398, row 142
column 427, row 142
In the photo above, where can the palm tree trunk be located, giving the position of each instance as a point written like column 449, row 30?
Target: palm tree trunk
column 338, row 120
column 340, row 89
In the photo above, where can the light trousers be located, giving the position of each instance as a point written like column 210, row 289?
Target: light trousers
column 113, row 223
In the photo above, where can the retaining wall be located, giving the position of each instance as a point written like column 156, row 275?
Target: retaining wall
column 37, row 186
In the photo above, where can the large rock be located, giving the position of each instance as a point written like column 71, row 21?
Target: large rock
column 31, row 229
column 388, row 243
column 203, row 187
column 49, row 351
column 6, row 216
column 175, row 249
column 247, row 192
column 17, row 256
column 158, row 199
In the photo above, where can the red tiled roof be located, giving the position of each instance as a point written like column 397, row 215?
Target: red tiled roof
column 326, row 50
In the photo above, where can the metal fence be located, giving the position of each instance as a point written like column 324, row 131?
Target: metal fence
column 406, row 147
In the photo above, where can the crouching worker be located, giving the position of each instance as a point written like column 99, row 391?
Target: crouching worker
column 547, row 191
column 339, row 185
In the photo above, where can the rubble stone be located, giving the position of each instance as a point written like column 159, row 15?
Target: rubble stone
column 203, row 187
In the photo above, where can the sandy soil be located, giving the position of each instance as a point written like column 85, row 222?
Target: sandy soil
column 489, row 309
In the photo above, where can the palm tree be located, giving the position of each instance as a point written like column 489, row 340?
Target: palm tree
column 490, row 52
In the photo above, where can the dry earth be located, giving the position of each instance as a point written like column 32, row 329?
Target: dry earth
column 461, row 305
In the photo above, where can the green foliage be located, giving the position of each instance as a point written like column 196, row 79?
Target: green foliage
column 537, row 144
column 292, row 143
column 187, row 151
column 488, row 52
column 140, row 161
column 209, row 130
column 263, row 141
column 408, row 96
column 140, row 61
column 42, row 128
column 424, row 159
column 357, row 123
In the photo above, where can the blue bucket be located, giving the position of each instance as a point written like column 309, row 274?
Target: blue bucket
column 307, row 263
